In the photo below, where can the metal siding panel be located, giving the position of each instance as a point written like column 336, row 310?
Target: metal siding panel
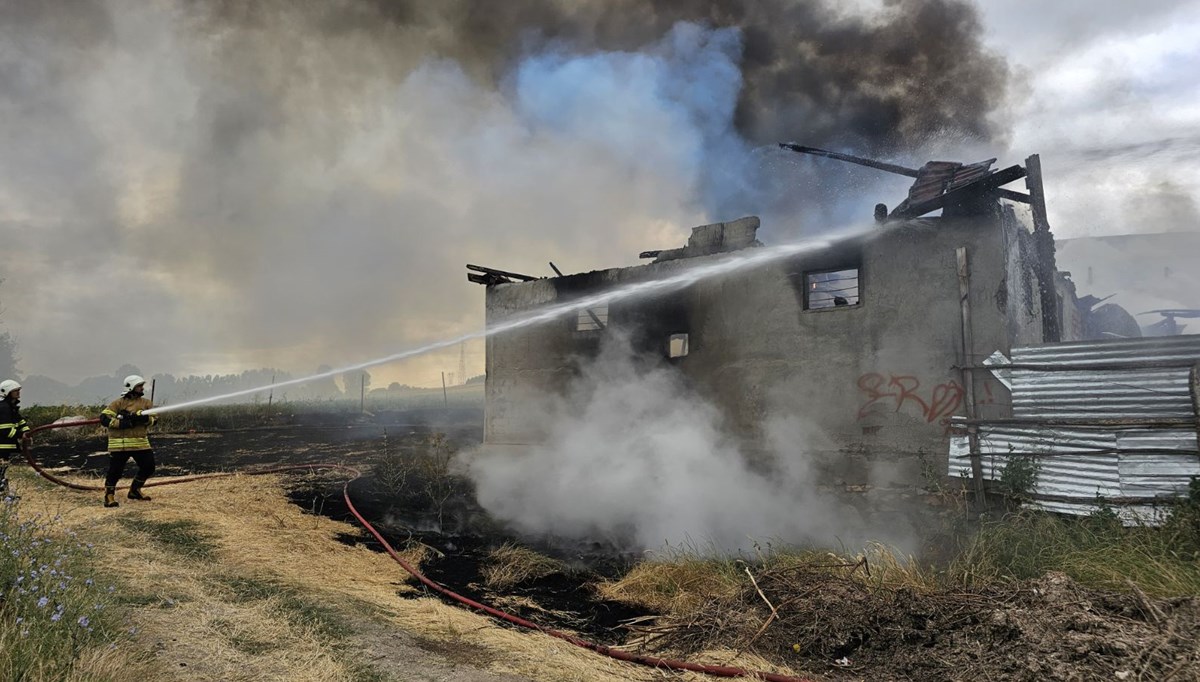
column 1153, row 475
column 970, row 173
column 1182, row 348
column 1079, row 382
column 1161, row 392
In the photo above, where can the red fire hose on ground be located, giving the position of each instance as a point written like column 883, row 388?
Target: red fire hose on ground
column 354, row 474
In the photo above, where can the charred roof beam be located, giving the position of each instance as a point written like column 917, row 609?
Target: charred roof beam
column 904, row 211
column 492, row 276
column 869, row 163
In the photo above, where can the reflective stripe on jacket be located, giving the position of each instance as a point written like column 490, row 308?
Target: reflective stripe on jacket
column 133, row 438
column 12, row 426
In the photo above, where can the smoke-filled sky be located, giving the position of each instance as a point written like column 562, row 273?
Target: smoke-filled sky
column 204, row 187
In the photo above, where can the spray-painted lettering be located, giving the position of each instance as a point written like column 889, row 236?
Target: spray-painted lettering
column 897, row 390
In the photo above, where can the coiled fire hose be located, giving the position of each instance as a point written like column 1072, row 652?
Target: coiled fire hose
column 354, row 474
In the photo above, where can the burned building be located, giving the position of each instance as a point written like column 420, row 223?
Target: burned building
column 872, row 338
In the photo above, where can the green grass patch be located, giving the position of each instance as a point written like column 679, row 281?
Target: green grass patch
column 365, row 672
column 183, row 537
column 244, row 589
column 290, row 603
column 1096, row 552
column 324, row 621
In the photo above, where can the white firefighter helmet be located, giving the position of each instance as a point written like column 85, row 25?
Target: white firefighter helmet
column 8, row 386
column 133, row 381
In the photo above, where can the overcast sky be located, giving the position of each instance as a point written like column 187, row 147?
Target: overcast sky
column 192, row 196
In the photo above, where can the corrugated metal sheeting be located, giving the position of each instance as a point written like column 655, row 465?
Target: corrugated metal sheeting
column 1113, row 385
column 1105, row 419
column 937, row 177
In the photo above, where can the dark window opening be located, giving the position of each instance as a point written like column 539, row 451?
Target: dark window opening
column 831, row 289
column 592, row 319
column 677, row 346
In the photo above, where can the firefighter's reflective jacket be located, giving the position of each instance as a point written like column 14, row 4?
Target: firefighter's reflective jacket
column 134, row 434
column 12, row 427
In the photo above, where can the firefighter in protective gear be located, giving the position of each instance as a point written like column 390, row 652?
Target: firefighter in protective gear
column 128, row 437
column 13, row 429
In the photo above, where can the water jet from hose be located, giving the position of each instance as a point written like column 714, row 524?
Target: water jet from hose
column 741, row 261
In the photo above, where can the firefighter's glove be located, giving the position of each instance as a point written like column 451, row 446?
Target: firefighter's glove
column 139, row 419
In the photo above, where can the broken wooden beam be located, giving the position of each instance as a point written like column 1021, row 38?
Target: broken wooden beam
column 1013, row 195
column 487, row 280
column 501, row 273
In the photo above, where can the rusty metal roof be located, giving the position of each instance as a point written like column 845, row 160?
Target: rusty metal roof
column 937, row 177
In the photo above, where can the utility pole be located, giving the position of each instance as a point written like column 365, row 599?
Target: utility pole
column 462, row 362
column 445, row 398
column 362, row 392
column 152, row 382
column 271, row 395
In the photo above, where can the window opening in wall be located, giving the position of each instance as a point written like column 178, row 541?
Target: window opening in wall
column 677, row 347
column 831, row 289
column 592, row 319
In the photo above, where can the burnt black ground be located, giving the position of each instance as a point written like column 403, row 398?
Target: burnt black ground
column 463, row 532
column 564, row 600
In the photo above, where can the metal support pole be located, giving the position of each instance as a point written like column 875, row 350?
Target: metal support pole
column 968, row 378
column 1043, row 245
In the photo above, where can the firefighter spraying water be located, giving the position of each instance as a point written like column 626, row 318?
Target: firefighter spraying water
column 128, row 436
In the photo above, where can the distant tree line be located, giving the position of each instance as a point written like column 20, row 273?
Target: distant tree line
column 44, row 390
column 168, row 389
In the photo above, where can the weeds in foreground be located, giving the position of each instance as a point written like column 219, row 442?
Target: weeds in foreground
column 1096, row 552
column 422, row 477
column 683, row 581
column 58, row 618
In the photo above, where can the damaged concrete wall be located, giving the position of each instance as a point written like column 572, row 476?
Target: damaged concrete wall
column 877, row 378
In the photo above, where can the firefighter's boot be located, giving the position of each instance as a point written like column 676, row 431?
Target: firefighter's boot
column 135, row 491
column 110, row 497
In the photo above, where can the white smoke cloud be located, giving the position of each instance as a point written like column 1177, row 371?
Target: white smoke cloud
column 632, row 455
column 250, row 215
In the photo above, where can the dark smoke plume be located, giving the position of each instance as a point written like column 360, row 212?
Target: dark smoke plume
column 880, row 84
column 296, row 183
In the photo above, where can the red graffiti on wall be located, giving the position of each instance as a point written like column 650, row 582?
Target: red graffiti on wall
column 899, row 389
